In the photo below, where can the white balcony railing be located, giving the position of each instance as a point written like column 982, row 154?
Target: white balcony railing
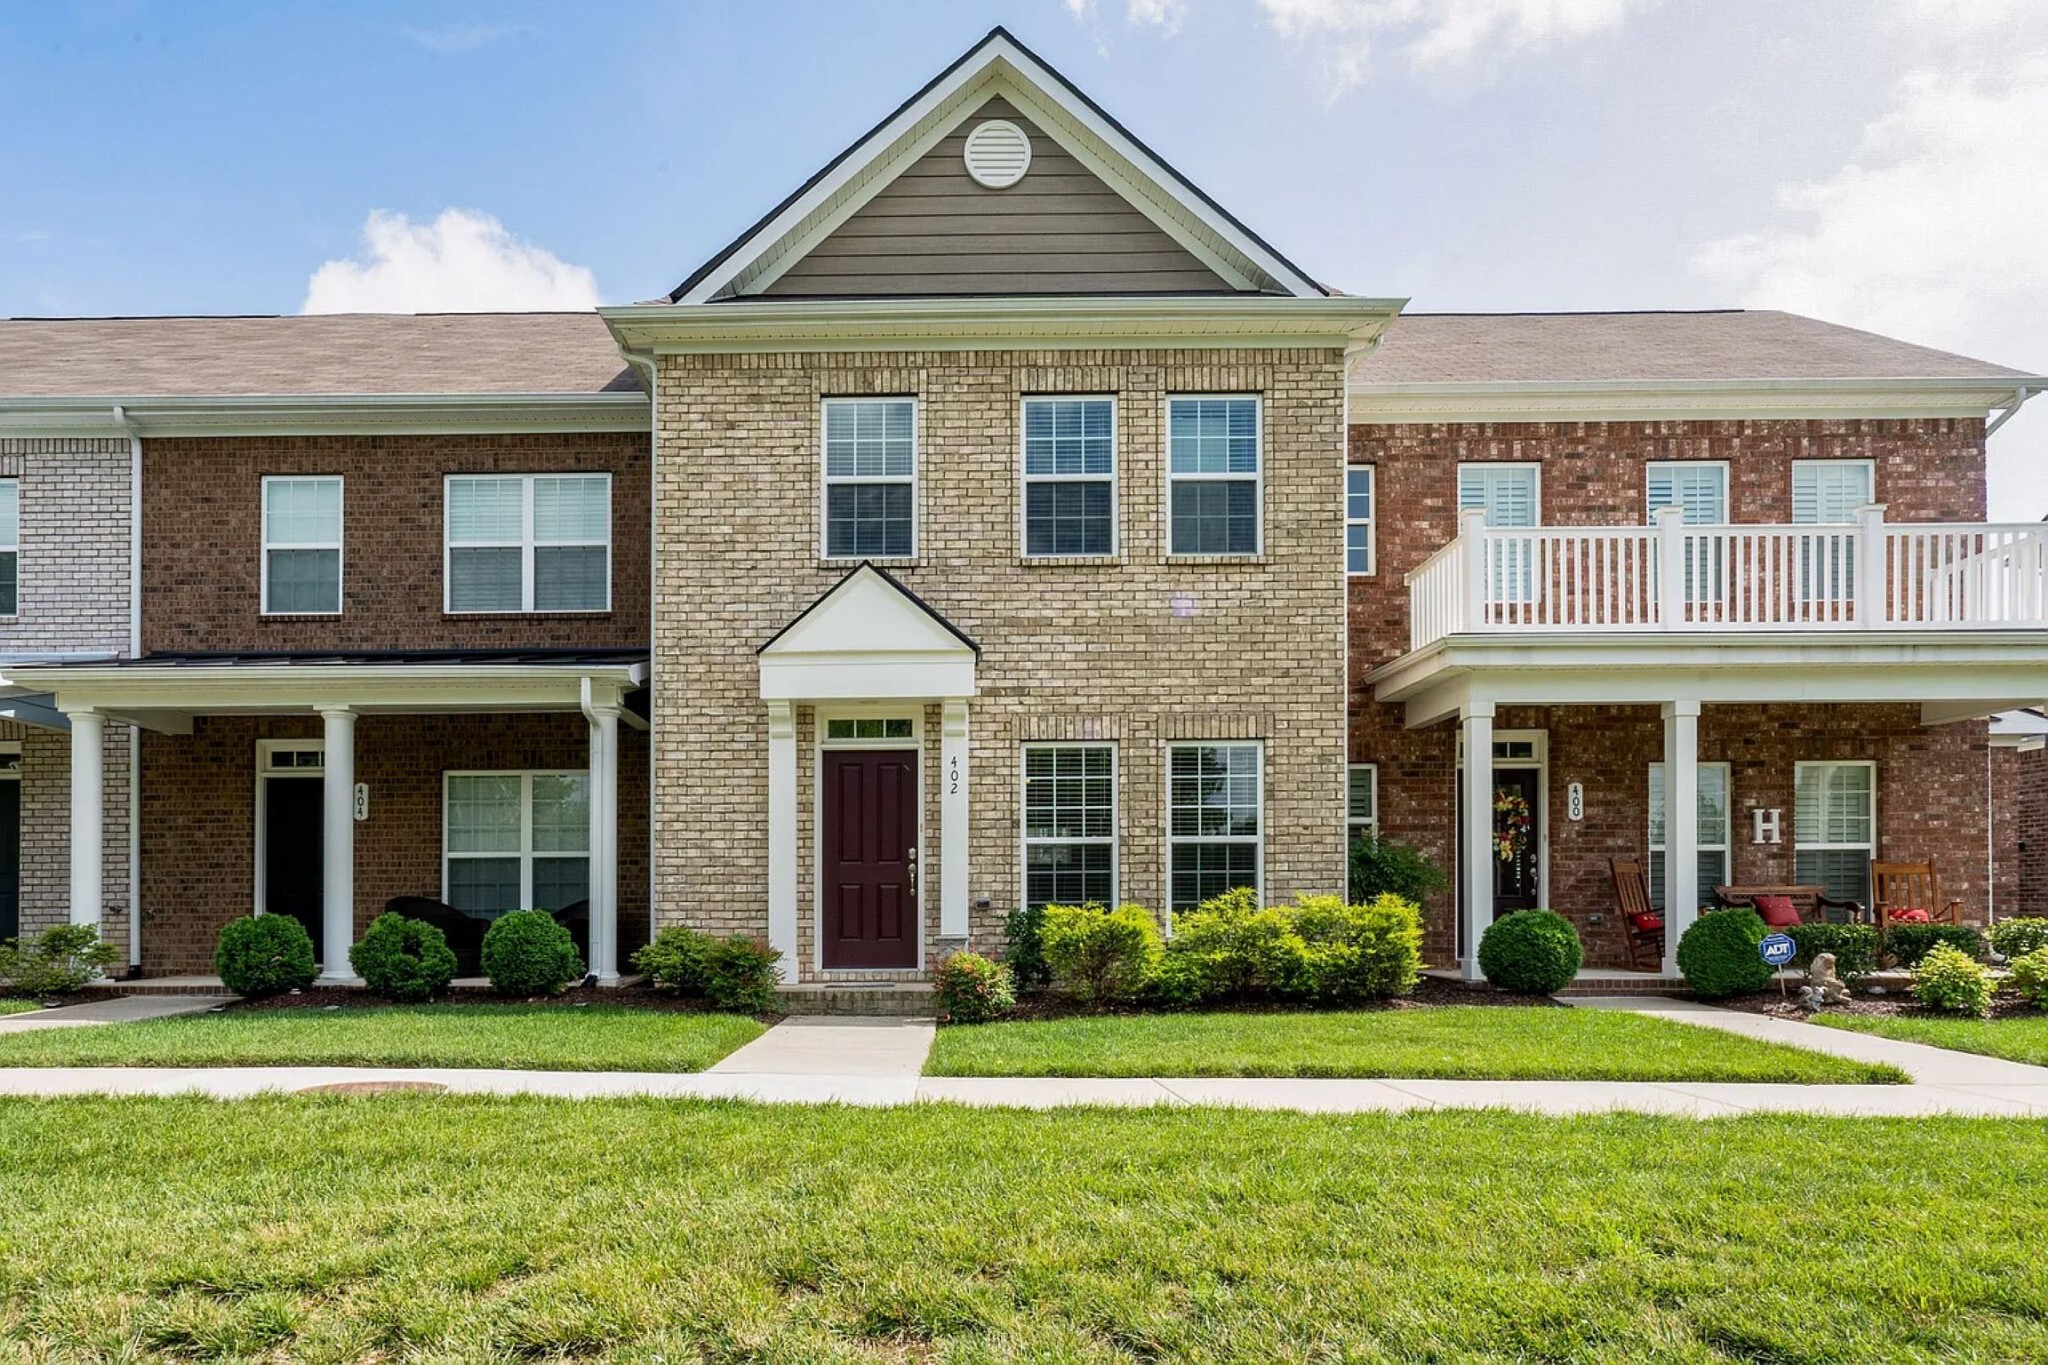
column 1670, row 576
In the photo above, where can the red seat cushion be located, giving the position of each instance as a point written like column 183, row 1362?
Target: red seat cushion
column 1911, row 915
column 1648, row 923
column 1777, row 911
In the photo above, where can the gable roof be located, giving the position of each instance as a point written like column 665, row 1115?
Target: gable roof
column 998, row 64
column 880, row 614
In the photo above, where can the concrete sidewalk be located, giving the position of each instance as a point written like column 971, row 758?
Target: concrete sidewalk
column 115, row 1009
column 835, row 1045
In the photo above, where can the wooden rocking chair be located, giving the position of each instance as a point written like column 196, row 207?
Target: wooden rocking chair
column 1642, row 925
column 1903, row 893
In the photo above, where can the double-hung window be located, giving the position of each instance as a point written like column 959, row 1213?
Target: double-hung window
column 529, row 542
column 1511, row 496
column 1834, row 827
column 516, row 841
column 1069, row 824
column 870, row 478
column 302, row 545
column 10, row 546
column 1699, row 490
column 1827, row 493
column 1362, row 799
column 1711, row 836
column 1214, row 820
column 1358, row 546
column 1069, row 476
column 1214, row 458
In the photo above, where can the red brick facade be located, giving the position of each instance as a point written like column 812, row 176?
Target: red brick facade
column 1931, row 781
column 2024, row 796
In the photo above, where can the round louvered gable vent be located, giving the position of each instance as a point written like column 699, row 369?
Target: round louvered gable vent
column 998, row 154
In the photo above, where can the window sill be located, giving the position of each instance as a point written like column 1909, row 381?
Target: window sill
column 300, row 616
column 1251, row 561
column 587, row 613
column 846, row 563
column 1071, row 561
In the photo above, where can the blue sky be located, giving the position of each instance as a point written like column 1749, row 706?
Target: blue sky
column 1878, row 162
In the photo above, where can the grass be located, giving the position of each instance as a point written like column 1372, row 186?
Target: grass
column 1458, row 1042
column 18, row 1006
column 525, row 1037
column 2022, row 1038
column 474, row 1229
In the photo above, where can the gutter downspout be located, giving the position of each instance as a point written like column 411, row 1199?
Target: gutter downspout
column 2019, row 397
column 644, row 363
column 122, row 420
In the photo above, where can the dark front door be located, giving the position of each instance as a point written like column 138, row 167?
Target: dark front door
column 292, row 839
column 10, row 859
column 1517, row 834
column 870, row 858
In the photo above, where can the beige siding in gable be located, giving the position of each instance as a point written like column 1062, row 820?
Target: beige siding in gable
column 1060, row 230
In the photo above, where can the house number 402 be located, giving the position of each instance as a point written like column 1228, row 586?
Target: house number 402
column 953, row 776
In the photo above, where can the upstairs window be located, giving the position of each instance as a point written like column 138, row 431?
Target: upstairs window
column 1828, row 492
column 529, row 542
column 1069, row 476
column 1511, row 495
column 870, row 478
column 1214, row 462
column 10, row 546
column 1697, row 488
column 1358, row 546
column 302, row 546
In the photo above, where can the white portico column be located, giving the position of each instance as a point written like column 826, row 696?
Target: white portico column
column 88, row 832
column 1681, row 824
column 604, row 842
column 338, row 847
column 953, row 822
column 782, row 837
column 1475, row 857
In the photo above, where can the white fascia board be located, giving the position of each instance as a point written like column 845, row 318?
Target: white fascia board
column 1176, row 321
column 326, row 414
column 393, row 688
column 877, row 677
column 1676, row 400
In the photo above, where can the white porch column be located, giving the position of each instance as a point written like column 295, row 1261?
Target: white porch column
column 604, row 842
column 88, row 815
column 1681, row 824
column 782, row 836
column 953, row 822
column 338, row 847
column 1475, row 857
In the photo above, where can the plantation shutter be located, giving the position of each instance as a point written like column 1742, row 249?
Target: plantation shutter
column 1828, row 492
column 1506, row 492
column 1833, row 827
column 1699, row 491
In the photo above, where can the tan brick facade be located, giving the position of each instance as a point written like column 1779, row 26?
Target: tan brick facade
column 1140, row 650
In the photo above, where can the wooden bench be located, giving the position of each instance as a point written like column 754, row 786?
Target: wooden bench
column 1812, row 902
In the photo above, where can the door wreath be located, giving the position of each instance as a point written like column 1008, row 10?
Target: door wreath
column 1512, row 823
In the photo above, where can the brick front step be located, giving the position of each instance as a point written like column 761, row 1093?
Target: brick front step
column 894, row 998
column 1629, row 983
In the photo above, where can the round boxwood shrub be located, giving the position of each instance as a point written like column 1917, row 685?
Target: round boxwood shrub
column 264, row 955
column 405, row 959
column 1719, row 954
column 527, row 953
column 1530, row 952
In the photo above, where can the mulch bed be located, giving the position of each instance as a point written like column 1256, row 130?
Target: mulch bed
column 341, row 997
column 1901, row 1006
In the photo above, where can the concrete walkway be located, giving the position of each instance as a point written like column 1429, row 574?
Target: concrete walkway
column 835, row 1045
column 115, row 1009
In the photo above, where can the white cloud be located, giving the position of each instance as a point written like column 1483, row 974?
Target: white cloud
column 1436, row 34
column 1163, row 14
column 453, row 38
column 462, row 262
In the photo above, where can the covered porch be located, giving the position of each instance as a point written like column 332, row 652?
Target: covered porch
column 329, row 786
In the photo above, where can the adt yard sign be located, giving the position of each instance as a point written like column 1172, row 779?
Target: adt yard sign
column 1778, row 949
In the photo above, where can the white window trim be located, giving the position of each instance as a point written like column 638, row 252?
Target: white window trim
column 1027, row 478
column 526, row 853
column 1352, row 823
column 1536, row 496
column 1258, row 475
column 1025, row 841
column 819, row 716
column 1370, row 523
column 267, row 544
column 1792, row 479
column 526, row 544
column 827, row 481
column 1257, row 840
column 1726, row 848
column 1727, row 488
column 264, row 772
column 1800, row 846
column 14, row 547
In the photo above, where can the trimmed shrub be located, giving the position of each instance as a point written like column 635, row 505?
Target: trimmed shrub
column 675, row 960
column 1953, row 982
column 527, row 953
column 974, row 990
column 739, row 975
column 2029, row 979
column 264, row 955
column 1359, row 952
column 1530, row 952
column 1854, row 946
column 1908, row 943
column 2013, row 939
column 1101, row 956
column 1024, row 947
column 1719, row 954
column 60, row 960
column 407, row 960
column 1228, row 948
column 1388, row 867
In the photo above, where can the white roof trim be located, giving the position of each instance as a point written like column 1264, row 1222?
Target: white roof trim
column 998, row 63
column 327, row 414
column 1674, row 399
column 867, row 639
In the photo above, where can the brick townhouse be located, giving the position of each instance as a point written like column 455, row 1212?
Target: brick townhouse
column 999, row 520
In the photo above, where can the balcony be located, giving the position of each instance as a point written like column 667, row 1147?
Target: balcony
column 1670, row 577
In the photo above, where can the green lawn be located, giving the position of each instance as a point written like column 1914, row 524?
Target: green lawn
column 1460, row 1042
column 2023, row 1038
column 18, row 1006
column 527, row 1037
column 470, row 1229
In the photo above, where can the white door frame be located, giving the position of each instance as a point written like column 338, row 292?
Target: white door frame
column 264, row 749
column 1539, row 760
column 893, row 710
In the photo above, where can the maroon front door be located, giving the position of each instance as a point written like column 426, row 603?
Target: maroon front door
column 870, row 858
